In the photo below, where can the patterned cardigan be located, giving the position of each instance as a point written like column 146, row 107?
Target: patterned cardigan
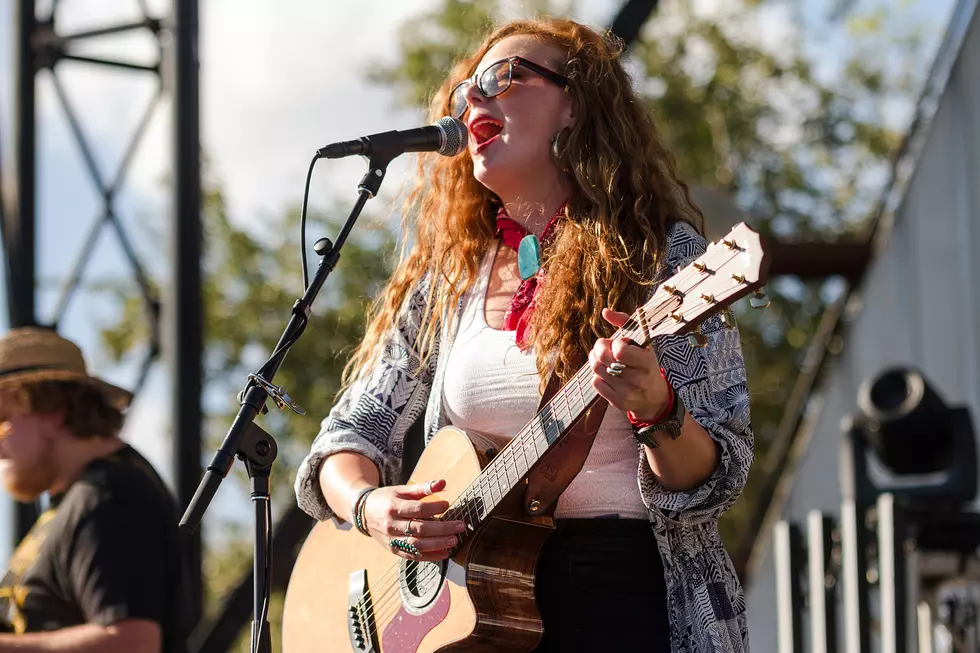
column 704, row 597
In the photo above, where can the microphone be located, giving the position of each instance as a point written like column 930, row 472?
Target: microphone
column 447, row 137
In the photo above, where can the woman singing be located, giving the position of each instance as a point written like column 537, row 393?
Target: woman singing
column 472, row 325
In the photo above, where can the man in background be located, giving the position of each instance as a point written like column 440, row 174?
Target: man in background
column 101, row 570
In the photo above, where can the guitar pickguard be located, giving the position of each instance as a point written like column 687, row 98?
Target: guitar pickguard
column 406, row 630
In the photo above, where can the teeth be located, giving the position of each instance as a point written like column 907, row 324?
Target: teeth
column 485, row 130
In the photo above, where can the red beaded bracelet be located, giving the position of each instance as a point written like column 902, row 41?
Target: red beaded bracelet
column 640, row 424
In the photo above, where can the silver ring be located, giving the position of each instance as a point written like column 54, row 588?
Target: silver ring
column 615, row 369
column 408, row 528
column 428, row 487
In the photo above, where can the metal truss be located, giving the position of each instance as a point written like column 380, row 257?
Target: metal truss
column 52, row 48
column 40, row 47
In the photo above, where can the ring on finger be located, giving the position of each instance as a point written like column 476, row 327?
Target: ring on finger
column 615, row 369
column 428, row 487
column 405, row 547
column 408, row 528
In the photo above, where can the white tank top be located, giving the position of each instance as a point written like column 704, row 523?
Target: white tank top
column 491, row 387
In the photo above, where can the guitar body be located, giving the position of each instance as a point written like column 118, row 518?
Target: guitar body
column 480, row 600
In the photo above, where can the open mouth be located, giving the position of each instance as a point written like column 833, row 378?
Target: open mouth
column 485, row 130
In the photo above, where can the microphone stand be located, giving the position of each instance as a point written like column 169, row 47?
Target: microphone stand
column 246, row 440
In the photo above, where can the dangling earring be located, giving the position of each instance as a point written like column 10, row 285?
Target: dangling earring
column 554, row 146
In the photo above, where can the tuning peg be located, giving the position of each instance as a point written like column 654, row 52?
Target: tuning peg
column 728, row 319
column 759, row 299
column 697, row 339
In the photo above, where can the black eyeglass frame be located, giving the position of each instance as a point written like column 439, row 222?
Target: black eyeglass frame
column 513, row 62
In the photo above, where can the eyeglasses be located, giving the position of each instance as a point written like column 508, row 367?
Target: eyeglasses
column 495, row 80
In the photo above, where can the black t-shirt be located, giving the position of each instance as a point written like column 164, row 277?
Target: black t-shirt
column 106, row 550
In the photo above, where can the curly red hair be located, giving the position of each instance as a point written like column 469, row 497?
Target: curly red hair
column 625, row 192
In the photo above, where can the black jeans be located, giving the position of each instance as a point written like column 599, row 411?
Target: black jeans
column 600, row 587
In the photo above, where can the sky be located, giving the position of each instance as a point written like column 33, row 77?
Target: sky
column 278, row 80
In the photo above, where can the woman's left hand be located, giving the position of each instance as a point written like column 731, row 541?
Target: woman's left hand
column 640, row 387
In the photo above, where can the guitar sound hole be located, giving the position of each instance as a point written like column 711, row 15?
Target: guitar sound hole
column 419, row 583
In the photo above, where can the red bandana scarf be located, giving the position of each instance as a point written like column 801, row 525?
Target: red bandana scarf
column 521, row 307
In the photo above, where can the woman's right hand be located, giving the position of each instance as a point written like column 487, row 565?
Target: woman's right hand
column 397, row 512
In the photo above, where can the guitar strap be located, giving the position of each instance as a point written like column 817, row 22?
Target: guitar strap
column 562, row 462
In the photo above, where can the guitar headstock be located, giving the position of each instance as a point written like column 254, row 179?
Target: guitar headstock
column 730, row 268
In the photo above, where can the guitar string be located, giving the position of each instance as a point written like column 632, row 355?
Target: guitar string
column 583, row 375
column 433, row 570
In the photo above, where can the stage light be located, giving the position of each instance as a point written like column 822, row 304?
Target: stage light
column 912, row 432
column 906, row 423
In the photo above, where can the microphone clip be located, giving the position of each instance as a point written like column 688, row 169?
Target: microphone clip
column 277, row 393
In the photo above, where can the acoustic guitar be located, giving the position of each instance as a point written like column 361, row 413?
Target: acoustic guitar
column 347, row 593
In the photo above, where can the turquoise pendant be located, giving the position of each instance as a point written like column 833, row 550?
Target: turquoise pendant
column 528, row 256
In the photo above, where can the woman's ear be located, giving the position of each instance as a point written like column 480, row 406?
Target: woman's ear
column 568, row 114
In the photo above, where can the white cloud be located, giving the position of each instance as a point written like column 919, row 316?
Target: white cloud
column 279, row 81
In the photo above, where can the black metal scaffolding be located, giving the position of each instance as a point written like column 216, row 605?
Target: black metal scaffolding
column 186, row 303
column 18, row 224
column 42, row 48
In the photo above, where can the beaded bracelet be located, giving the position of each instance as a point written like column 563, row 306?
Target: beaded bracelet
column 359, row 505
column 358, row 510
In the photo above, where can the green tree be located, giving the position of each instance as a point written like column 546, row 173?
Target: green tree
column 801, row 154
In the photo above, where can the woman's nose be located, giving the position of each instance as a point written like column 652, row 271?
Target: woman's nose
column 474, row 95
